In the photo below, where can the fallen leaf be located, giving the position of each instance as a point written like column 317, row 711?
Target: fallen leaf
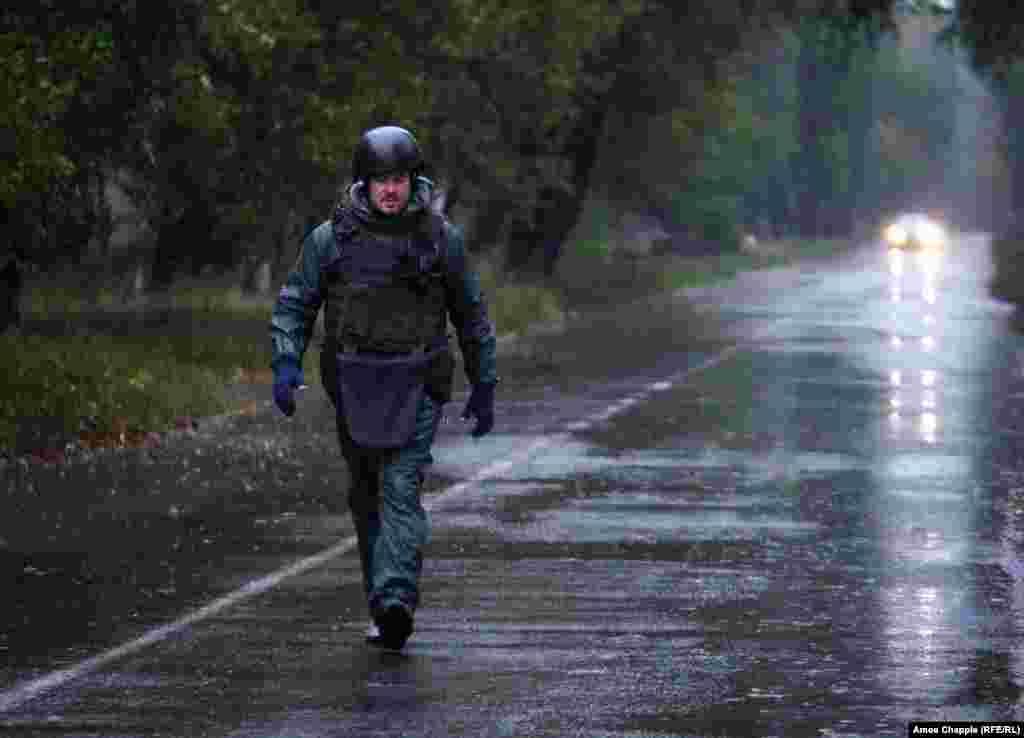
column 256, row 376
column 249, row 407
column 136, row 439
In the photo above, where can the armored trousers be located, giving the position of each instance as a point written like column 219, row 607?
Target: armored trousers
column 384, row 498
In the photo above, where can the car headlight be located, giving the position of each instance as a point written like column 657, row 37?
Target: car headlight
column 929, row 259
column 930, row 235
column 896, row 234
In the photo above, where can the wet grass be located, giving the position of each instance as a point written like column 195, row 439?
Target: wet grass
column 514, row 307
column 109, row 376
column 121, row 383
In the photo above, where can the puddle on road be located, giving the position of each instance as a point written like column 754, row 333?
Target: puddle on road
column 652, row 496
column 922, row 465
column 629, row 523
column 930, row 495
column 462, row 461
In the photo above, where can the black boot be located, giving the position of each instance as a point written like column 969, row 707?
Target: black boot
column 394, row 626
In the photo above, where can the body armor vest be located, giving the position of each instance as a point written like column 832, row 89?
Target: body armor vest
column 385, row 292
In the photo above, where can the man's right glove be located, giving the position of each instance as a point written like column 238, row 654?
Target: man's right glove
column 287, row 377
column 481, row 406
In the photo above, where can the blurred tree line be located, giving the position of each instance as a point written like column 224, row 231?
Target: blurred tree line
column 993, row 36
column 230, row 125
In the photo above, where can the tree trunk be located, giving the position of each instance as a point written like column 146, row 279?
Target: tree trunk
column 814, row 123
column 11, row 284
column 488, row 224
column 559, row 210
column 182, row 239
column 165, row 255
column 287, row 245
column 1013, row 107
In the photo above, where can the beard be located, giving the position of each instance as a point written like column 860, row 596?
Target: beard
column 391, row 205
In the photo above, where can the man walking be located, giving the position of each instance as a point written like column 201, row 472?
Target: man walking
column 390, row 272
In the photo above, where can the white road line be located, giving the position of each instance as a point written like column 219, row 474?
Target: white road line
column 16, row 696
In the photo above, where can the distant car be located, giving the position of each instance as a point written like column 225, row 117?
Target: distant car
column 915, row 232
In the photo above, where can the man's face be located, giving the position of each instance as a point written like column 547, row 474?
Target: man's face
column 389, row 193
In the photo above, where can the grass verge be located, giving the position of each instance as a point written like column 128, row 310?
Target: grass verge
column 515, row 307
column 105, row 374
column 110, row 384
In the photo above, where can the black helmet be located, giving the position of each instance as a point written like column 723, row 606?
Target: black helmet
column 385, row 150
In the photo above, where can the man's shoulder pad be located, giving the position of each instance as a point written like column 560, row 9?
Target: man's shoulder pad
column 323, row 236
column 444, row 231
column 323, row 242
column 322, row 231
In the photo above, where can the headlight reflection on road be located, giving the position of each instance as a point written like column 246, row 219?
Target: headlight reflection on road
column 922, row 612
column 903, row 399
column 921, row 518
column 926, row 263
column 928, row 426
column 917, row 631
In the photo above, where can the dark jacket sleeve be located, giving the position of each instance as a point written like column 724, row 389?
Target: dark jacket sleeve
column 467, row 309
column 294, row 313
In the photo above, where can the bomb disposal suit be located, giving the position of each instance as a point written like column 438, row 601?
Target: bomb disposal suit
column 389, row 283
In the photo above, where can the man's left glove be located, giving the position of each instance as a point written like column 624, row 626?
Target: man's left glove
column 287, row 377
column 481, row 406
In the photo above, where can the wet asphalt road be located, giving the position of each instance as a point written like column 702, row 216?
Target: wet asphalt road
column 814, row 528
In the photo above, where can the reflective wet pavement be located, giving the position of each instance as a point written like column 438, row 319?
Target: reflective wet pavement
column 817, row 533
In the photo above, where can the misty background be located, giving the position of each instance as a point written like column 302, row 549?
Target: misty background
column 149, row 144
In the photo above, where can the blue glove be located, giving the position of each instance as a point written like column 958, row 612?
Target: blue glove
column 287, row 376
column 481, row 406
